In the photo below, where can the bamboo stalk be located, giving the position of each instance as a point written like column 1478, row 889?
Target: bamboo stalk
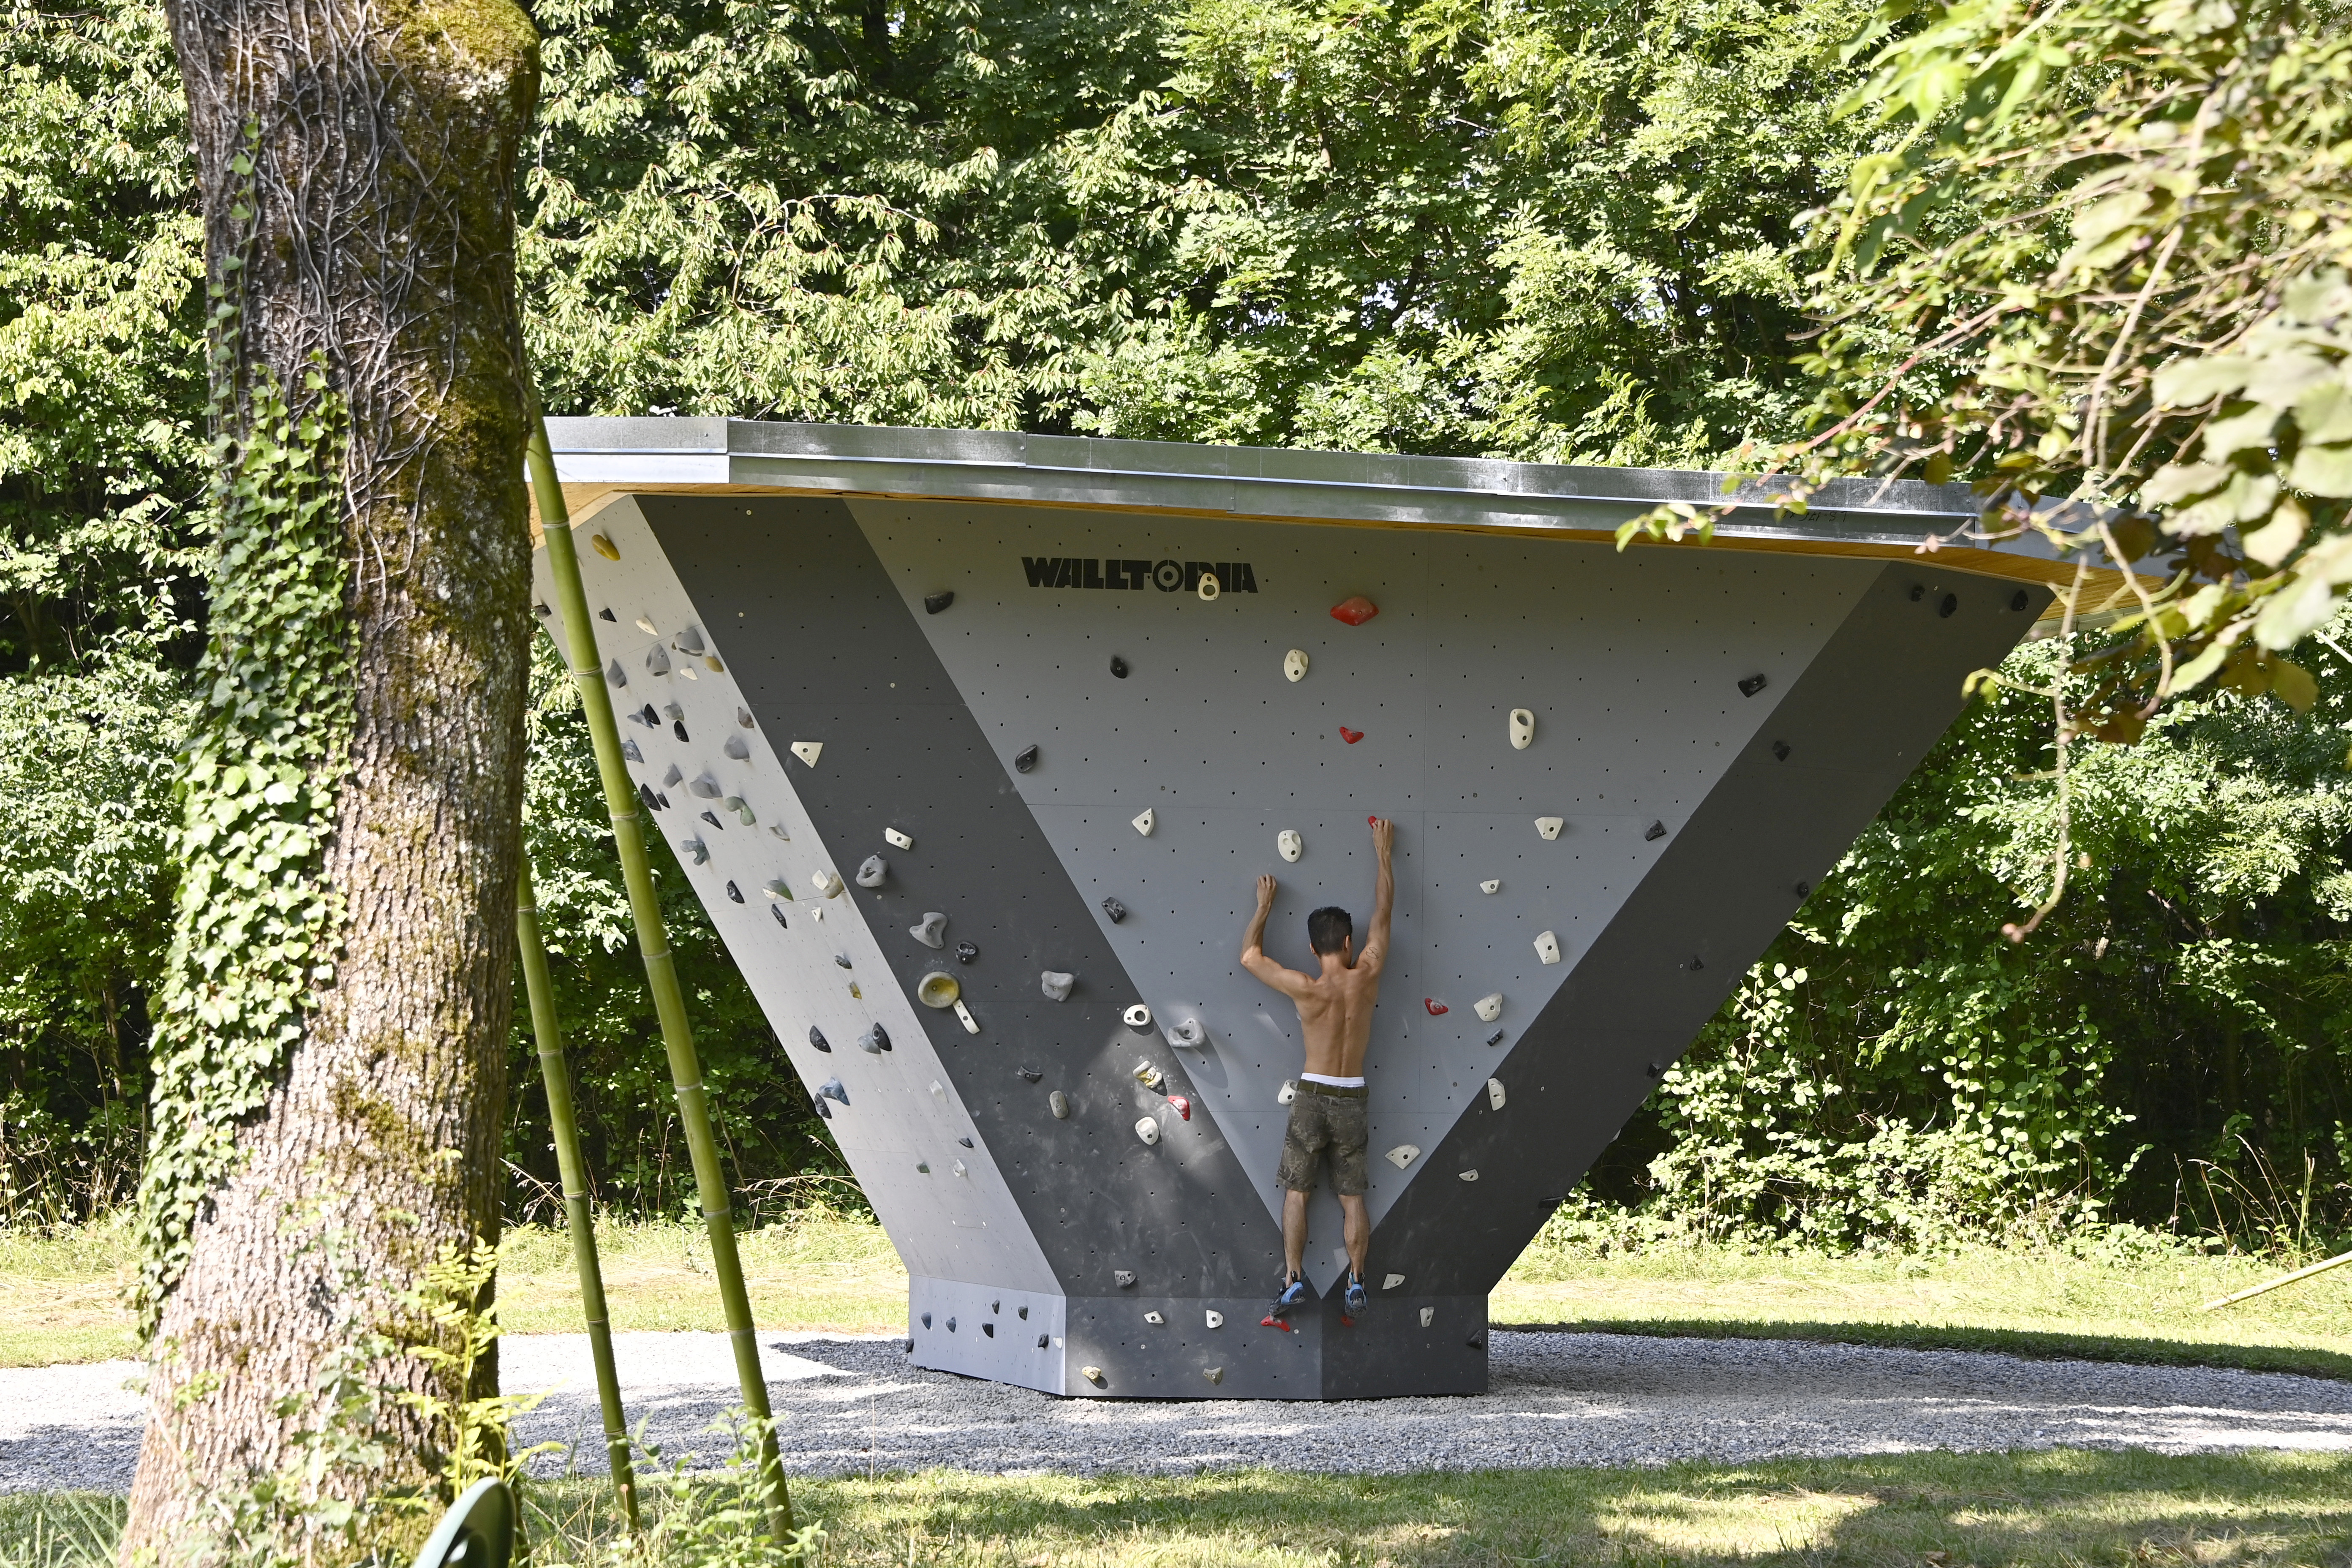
column 2322, row 1267
column 661, row 973
column 565, row 1127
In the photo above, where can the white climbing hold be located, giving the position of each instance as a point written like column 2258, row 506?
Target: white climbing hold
column 808, row 751
column 1059, row 1104
column 940, row 1091
column 1491, row 885
column 871, row 873
column 1393, row 1281
column 826, row 883
column 1428, row 1316
column 937, row 989
column 1216, row 1318
column 1550, row 827
column 1055, row 985
column 1147, row 1075
column 1093, row 1374
column 1294, row 664
column 1289, row 1092
column 1523, row 729
column 1189, row 1034
column 1289, row 844
column 1147, row 1129
column 963, row 1015
column 958, row 1168
column 931, row 931
column 1403, row 1155
column 1145, row 823
column 1547, row 947
column 648, row 627
column 1488, row 1008
column 896, row 840
column 1209, row 586
column 1495, row 1094
column 1139, row 1018
column 1470, row 1175
column 1155, row 1319
column 687, row 671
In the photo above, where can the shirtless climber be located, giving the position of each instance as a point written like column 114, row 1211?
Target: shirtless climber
column 1335, row 1014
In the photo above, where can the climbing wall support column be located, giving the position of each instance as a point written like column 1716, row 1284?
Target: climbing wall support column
column 661, row 974
column 556, row 1074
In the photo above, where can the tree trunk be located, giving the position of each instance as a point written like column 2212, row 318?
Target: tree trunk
column 357, row 162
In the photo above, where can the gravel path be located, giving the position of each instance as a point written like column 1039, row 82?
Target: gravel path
column 847, row 1405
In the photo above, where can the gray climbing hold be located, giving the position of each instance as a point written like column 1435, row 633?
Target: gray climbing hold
column 1122, row 1278
column 934, row 603
column 1029, row 1075
column 1056, row 984
column 1026, row 759
column 875, row 1040
column 1115, row 910
column 871, row 871
column 629, row 750
column 927, row 1320
column 658, row 660
column 674, row 711
column 832, row 1090
column 743, row 717
column 1188, row 1034
column 1060, row 1105
column 672, row 778
column 690, row 641
column 694, row 846
column 1428, row 1315
column 966, row 953
column 817, row 1040
column 707, row 787
column 738, row 748
column 824, row 1111
column 616, row 674
column 843, row 960
column 931, row 930
column 1656, row 830
column 1781, row 750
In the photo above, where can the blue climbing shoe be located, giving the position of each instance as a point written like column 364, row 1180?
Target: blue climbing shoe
column 1293, row 1295
column 1358, row 1298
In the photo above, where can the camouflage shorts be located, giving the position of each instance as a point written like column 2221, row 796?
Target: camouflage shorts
column 1320, row 1121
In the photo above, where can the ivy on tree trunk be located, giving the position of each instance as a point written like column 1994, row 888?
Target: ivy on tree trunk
column 332, row 1030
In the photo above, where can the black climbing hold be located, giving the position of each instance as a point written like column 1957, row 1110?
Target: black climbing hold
column 1476, row 1341
column 1122, row 1278
column 1750, row 685
column 966, row 953
column 927, row 1320
column 1117, row 667
column 1041, row 1341
column 1804, row 888
column 1780, row 751
column 843, row 960
column 1696, row 965
column 967, row 1143
column 662, row 801
column 543, row 609
column 1951, row 601
column 1025, row 759
column 678, row 729
column 816, row 1035
column 714, row 820
column 2018, row 600
column 1495, row 1038
column 1115, row 910
column 1024, row 1314
column 648, row 717
column 878, row 1036
column 934, row 603
column 645, row 794
column 1657, row 1071
column 988, row 1328
column 1918, row 591
column 824, row 1111
column 1656, row 830
column 607, row 614
column 997, row 1306
column 734, row 892
column 1029, row 1075
column 951, row 1325
column 778, row 911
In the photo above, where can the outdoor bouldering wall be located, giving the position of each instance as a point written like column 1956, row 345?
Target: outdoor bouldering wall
column 966, row 781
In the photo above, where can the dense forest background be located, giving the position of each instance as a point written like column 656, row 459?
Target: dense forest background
column 1565, row 232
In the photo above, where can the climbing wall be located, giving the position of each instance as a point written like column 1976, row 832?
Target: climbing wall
column 1061, row 745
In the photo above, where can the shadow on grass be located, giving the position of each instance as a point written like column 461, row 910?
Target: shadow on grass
column 2036, row 1344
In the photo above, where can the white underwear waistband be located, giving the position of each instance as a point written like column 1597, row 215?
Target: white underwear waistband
column 1356, row 1082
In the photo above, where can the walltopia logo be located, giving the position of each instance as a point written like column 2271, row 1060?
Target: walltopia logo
column 1168, row 576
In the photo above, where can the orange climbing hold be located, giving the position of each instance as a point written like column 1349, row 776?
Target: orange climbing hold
column 1354, row 610
column 1351, row 736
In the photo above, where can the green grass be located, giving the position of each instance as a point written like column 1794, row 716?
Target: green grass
column 2062, row 1509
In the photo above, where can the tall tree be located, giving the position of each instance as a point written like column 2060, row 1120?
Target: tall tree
column 329, row 1053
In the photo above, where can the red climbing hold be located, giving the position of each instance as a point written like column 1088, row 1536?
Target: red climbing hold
column 1354, row 610
column 1271, row 1321
column 1181, row 1106
column 1436, row 1008
column 1351, row 736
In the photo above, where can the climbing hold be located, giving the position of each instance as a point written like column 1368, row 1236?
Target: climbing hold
column 616, row 674
column 1802, row 889
column 1288, row 844
column 963, row 1015
column 1547, row 947
column 744, row 813
column 606, row 613
column 1488, row 1008
column 738, row 748
column 1549, row 826
column 1115, row 910
column 871, row 871
column 1214, row 1374
column 1029, row 1075
column 1041, row 1341
column 647, row 717
column 1026, row 759
column 1147, row 1129
column 824, row 1111
column 1287, row 1092
column 1093, row 1374
column 652, row 801
column 934, row 603
column 951, row 1321
column 1059, row 1103
column 927, row 1320
column 778, row 829
column 1491, row 885
column 1476, row 1342
column 1211, row 586
column 1117, row 667
column 734, row 893
column 605, row 548
column 1750, row 685
column 1471, row 1175
column 629, row 750
column 826, row 883
column 1403, row 1155
column 1354, row 610
column 1122, row 1278
column 1495, row 1095
column 875, row 1040
column 1695, row 963
column 1428, row 1315
column 712, row 818
column 1294, row 665
column 674, row 711
column 1523, row 729
column 707, row 787
column 1656, row 1070
column 832, row 1090
column 658, row 660
column 1216, row 1320
column 1780, row 751
column 1147, row 1075
column 778, row 911
column 937, row 989
column 1055, row 985
column 988, row 1328
column 896, row 840
column 1436, row 1009
column 931, row 931
column 543, row 609
column 808, row 751
column 694, row 846
column 843, row 960
column 1181, row 1106
column 1145, row 823
column 1139, row 1018
column 690, row 641
column 966, row 953
column 743, row 717
column 817, row 1040
column 779, row 889
column 1656, row 830
column 854, row 991
column 1189, row 1035
column 958, row 1168
column 1351, row 736
column 1495, row 1038
column 1951, row 601
column 968, row 1144
column 1393, row 1281
column 1155, row 1318
column 2018, row 600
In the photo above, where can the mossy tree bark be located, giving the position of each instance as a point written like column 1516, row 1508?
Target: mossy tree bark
column 357, row 161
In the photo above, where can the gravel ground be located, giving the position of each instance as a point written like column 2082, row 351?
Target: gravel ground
column 850, row 1404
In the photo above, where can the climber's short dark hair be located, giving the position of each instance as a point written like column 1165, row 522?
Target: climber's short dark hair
column 1328, row 929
